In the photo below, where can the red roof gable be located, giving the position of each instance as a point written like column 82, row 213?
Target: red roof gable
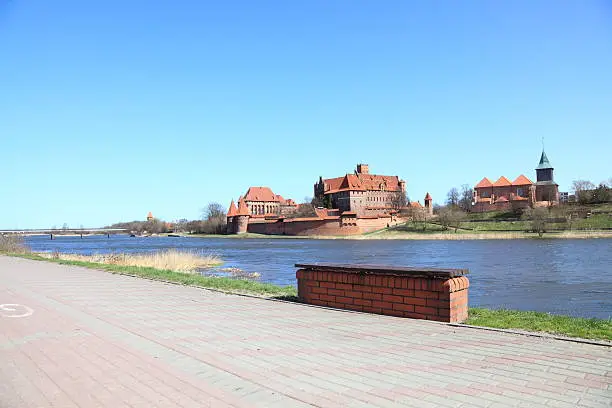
column 242, row 208
column 261, row 194
column 522, row 181
column 362, row 182
column 333, row 183
column 484, row 183
column 502, row 182
column 415, row 204
column 428, row 197
column 232, row 209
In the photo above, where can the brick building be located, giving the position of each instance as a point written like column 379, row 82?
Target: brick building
column 262, row 201
column 504, row 194
column 363, row 193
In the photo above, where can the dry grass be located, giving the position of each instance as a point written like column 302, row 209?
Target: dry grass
column 171, row 259
column 13, row 244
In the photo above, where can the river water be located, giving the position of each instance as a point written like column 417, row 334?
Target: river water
column 559, row 276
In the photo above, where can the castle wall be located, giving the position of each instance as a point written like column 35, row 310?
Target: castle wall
column 483, row 206
column 322, row 227
column 241, row 223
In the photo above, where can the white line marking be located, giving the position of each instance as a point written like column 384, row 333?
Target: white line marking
column 15, row 310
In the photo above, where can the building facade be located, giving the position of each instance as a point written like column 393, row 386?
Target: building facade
column 263, row 202
column 363, row 193
column 503, row 194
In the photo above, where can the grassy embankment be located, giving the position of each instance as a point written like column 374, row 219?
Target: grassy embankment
column 506, row 319
column 505, row 225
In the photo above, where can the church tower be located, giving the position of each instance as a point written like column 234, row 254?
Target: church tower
column 546, row 190
column 544, row 171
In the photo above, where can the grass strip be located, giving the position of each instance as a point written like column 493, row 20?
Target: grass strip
column 599, row 329
column 542, row 322
column 220, row 283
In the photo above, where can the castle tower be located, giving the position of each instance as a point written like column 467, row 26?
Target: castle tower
column 546, row 190
column 231, row 214
column 363, row 168
column 150, row 216
column 241, row 220
column 428, row 204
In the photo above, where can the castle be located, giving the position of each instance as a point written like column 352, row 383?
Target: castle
column 352, row 204
column 503, row 195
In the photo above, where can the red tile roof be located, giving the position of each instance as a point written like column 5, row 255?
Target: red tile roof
column 522, row 181
column 232, row 209
column 501, row 200
column 261, row 194
column 484, row 183
column 150, row 215
column 362, row 182
column 242, row 208
column 415, row 204
column 519, row 198
column 333, row 183
column 502, row 182
column 428, row 197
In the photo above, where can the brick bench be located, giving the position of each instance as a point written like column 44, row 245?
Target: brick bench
column 419, row 293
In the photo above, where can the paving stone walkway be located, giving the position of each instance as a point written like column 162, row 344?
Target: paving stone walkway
column 74, row 337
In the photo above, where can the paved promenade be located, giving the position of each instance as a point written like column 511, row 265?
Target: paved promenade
column 73, row 337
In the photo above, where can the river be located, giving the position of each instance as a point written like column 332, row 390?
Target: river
column 560, row 276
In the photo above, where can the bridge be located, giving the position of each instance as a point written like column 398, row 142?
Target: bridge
column 68, row 231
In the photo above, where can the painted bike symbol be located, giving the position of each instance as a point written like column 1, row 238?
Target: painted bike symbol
column 15, row 310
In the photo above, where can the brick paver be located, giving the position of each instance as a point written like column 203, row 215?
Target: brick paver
column 101, row 340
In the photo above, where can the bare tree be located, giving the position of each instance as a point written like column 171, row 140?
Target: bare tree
column 583, row 190
column 465, row 199
column 450, row 217
column 602, row 194
column 452, row 198
column 304, row 210
column 213, row 211
column 399, row 199
column 538, row 218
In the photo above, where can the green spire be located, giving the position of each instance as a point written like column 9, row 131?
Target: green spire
column 544, row 163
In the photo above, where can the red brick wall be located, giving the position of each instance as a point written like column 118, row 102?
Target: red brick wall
column 323, row 227
column 395, row 295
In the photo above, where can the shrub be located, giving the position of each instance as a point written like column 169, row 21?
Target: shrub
column 13, row 244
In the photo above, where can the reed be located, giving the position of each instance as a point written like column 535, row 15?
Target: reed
column 171, row 259
column 13, row 244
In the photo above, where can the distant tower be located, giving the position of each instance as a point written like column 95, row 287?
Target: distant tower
column 402, row 186
column 149, row 216
column 428, row 204
column 544, row 171
column 231, row 214
column 545, row 188
column 363, row 168
column 241, row 219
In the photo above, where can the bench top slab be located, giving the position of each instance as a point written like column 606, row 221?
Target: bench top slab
column 437, row 273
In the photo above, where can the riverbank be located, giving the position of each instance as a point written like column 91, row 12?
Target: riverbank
column 506, row 319
column 388, row 234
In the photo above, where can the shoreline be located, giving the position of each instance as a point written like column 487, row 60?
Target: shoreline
column 432, row 236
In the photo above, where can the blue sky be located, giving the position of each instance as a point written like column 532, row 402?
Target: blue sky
column 111, row 109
